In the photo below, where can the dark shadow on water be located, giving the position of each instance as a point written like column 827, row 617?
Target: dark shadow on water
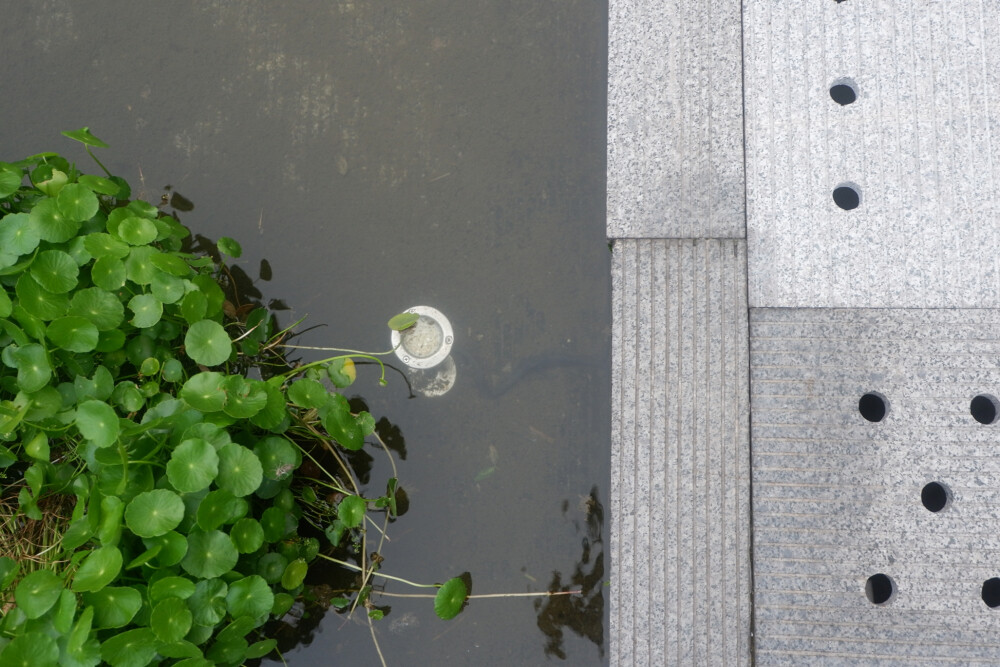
column 582, row 614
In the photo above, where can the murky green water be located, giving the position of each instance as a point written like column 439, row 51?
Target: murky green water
column 380, row 155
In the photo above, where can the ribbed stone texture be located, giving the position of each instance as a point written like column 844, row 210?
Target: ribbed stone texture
column 920, row 143
column 675, row 120
column 838, row 499
column 680, row 538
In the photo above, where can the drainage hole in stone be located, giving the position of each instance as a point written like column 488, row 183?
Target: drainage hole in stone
column 879, row 588
column 984, row 408
column 843, row 92
column 873, row 406
column 935, row 496
column 847, row 196
column 991, row 593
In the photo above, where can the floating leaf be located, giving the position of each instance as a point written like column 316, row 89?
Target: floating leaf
column 250, row 596
column 84, row 136
column 172, row 264
column 194, row 305
column 10, row 179
column 204, row 391
column 97, row 422
column 172, row 547
column 210, row 554
column 219, row 507
column 271, row 567
column 208, row 603
column 18, row 234
column 351, row 511
column 108, row 273
column 294, row 574
column 51, row 223
column 38, row 301
column 247, row 535
column 114, row 606
column 98, row 570
column 240, row 471
column 207, row 343
column 277, row 523
column 37, row 592
column 229, row 246
column 171, row 619
column 176, row 587
column 308, row 394
column 133, row 648
column 98, row 184
column 450, row 598
column 245, row 397
column 139, row 265
column 261, row 648
column 72, row 333
column 342, row 372
column 341, row 424
column 31, row 649
column 55, row 270
column 99, row 306
column 146, row 310
column 192, row 465
column 105, row 245
column 77, row 202
column 33, row 368
column 137, row 231
column 167, row 288
column 153, row 513
column 278, row 457
column 403, row 321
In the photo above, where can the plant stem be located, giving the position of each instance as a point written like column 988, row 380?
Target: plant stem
column 354, row 567
column 482, row 596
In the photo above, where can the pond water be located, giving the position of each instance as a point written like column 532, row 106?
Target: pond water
column 379, row 155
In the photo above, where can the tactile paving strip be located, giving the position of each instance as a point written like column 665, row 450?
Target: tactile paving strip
column 843, row 507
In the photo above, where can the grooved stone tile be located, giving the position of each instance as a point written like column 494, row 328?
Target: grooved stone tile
column 675, row 120
column 837, row 498
column 680, row 495
column 921, row 142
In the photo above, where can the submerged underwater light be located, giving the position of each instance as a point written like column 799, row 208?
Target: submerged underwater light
column 425, row 348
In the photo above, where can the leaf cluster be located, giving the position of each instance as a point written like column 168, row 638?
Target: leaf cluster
column 134, row 390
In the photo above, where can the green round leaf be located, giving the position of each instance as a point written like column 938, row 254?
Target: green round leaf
column 137, row 231
column 99, row 306
column 173, row 370
column 240, row 471
column 33, row 368
column 229, row 246
column 98, row 570
column 171, row 619
column 97, row 422
column 261, row 648
column 171, row 587
column 84, row 136
column 108, row 273
column 277, row 523
column 208, row 604
column 114, row 606
column 55, row 270
column 38, row 301
column 18, row 234
column 245, row 397
column 181, row 649
column 207, row 343
column 72, row 333
column 51, row 223
column 10, row 179
column 77, row 202
column 9, row 569
column 294, row 574
column 194, row 305
column 278, row 457
column 146, row 310
column 403, row 321
column 204, row 392
column 351, row 511
column 341, row 424
column 210, row 554
column 31, row 649
column 154, row 513
column 167, row 288
column 139, row 265
column 450, row 598
column 192, row 465
column 247, row 535
column 133, row 648
column 271, row 566
column 250, row 596
column 219, row 507
column 98, row 184
column 172, row 264
column 171, row 548
column 105, row 245
column 308, row 394
column 37, row 592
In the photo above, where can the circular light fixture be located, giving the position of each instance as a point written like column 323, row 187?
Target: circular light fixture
column 428, row 342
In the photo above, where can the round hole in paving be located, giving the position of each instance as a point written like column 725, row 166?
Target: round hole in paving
column 984, row 408
column 844, row 91
column 847, row 196
column 935, row 496
column 873, row 406
column 879, row 588
column 991, row 593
